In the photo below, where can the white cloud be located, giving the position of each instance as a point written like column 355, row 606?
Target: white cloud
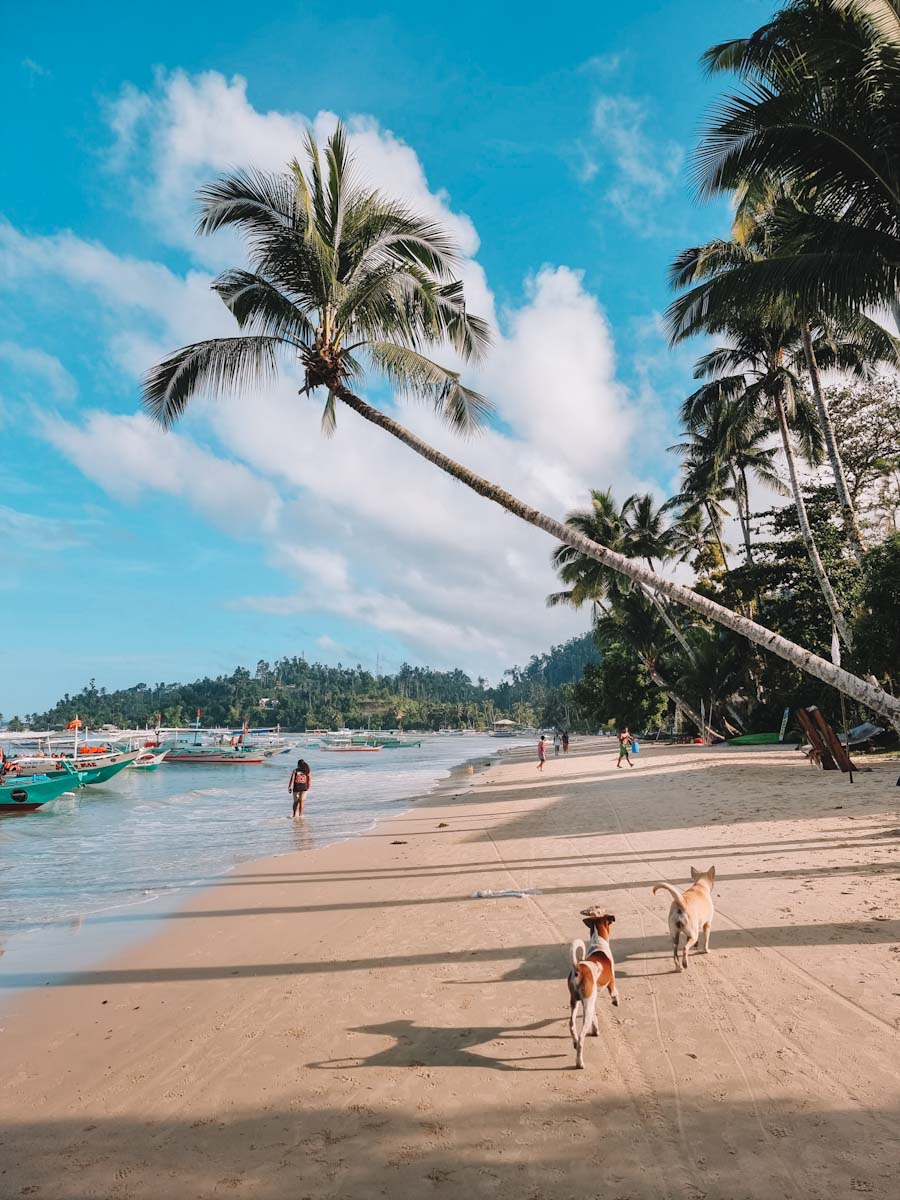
column 637, row 169
column 362, row 528
column 127, row 455
column 46, row 368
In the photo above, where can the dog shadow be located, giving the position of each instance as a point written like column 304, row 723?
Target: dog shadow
column 418, row 1046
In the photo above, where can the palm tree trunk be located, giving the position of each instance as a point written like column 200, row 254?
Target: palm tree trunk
column 848, row 511
column 669, row 621
column 743, row 510
column 860, row 690
column 665, row 686
column 805, row 531
column 715, row 528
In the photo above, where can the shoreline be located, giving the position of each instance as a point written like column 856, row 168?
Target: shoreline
column 80, row 942
column 354, row 1022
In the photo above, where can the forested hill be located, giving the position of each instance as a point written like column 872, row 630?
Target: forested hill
column 298, row 695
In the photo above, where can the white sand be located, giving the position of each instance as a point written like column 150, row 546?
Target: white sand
column 350, row 1023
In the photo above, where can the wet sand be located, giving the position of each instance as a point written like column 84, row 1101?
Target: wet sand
column 350, row 1022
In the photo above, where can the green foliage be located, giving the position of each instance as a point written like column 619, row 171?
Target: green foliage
column 344, row 281
column 878, row 624
column 619, row 691
column 300, row 695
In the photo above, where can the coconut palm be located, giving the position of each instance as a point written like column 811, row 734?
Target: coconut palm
column 637, row 530
column 722, row 278
column 760, row 367
column 633, row 621
column 818, row 111
column 734, row 437
column 343, row 280
column 705, row 489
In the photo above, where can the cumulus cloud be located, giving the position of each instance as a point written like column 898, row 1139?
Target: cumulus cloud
column 360, row 527
column 128, row 455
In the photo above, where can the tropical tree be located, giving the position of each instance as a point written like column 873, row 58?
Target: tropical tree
column 760, row 366
column 345, row 279
column 720, row 273
column 730, row 436
column 818, row 110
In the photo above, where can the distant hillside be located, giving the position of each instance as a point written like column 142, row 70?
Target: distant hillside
column 298, row 695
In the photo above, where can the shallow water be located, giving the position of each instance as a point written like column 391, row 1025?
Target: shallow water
column 149, row 835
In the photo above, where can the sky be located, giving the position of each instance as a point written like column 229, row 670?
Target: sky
column 556, row 149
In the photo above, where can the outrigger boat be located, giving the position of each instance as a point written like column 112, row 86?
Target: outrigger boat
column 95, row 764
column 147, row 760
column 224, row 755
column 343, row 743
column 27, row 793
column 219, row 752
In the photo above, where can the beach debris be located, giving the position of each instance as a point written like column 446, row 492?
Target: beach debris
column 491, row 895
column 398, row 843
column 443, row 825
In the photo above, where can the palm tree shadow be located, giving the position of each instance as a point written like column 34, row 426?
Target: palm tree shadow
column 417, row 1045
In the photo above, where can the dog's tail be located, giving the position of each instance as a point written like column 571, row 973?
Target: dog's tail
column 577, row 951
column 667, row 887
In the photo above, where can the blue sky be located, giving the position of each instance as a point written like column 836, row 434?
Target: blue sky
column 556, row 149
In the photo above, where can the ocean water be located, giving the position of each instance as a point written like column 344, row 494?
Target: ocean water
column 104, row 857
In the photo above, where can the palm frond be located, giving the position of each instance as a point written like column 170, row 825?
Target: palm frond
column 464, row 410
column 213, row 366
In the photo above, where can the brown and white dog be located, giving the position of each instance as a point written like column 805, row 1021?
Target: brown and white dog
column 592, row 969
column 691, row 913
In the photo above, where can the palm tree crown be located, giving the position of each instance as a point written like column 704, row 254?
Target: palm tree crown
column 342, row 279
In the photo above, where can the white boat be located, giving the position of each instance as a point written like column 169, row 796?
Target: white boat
column 148, row 760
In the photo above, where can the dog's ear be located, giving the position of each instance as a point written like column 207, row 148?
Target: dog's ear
column 712, row 874
column 609, row 918
column 695, row 874
column 591, row 923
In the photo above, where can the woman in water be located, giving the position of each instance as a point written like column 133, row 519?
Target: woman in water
column 301, row 778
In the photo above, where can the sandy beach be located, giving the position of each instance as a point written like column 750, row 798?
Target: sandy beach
column 351, row 1022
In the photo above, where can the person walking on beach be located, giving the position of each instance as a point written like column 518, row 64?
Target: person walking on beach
column 624, row 748
column 301, row 778
column 565, row 741
column 556, row 744
column 542, row 753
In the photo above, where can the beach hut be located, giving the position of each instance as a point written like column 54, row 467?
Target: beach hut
column 504, row 728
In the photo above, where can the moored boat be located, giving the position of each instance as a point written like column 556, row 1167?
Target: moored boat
column 27, row 793
column 344, row 743
column 148, row 760
column 215, row 756
column 95, row 764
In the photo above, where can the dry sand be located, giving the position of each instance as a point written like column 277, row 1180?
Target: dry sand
column 351, row 1023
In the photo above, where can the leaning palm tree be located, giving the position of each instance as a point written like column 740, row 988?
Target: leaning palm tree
column 637, row 530
column 344, row 280
column 632, row 620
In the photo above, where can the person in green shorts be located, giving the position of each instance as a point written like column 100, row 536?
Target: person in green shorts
column 625, row 748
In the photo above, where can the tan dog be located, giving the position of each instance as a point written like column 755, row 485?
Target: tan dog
column 591, row 970
column 691, row 913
